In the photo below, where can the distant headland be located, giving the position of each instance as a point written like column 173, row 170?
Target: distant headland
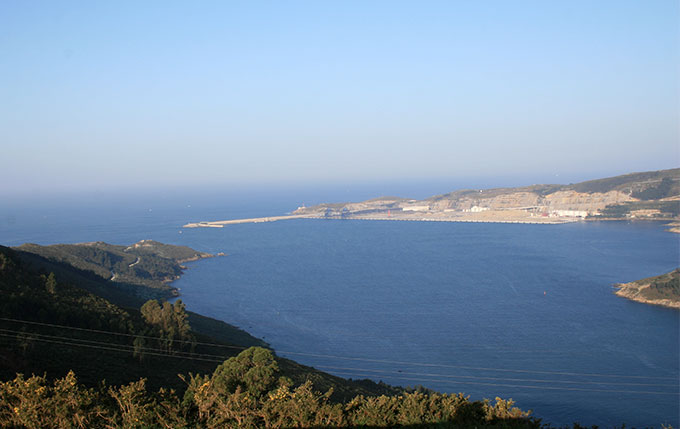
column 143, row 269
column 660, row 290
column 652, row 195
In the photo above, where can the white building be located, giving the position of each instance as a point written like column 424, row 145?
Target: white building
column 415, row 208
column 570, row 213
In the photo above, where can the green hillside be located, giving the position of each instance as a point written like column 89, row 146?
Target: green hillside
column 97, row 338
column 101, row 364
column 148, row 265
column 663, row 289
column 645, row 186
column 650, row 185
column 245, row 391
column 665, row 286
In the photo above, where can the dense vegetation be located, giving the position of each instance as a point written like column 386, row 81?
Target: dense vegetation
column 170, row 327
column 52, row 325
column 655, row 192
column 127, row 362
column 246, row 391
column 47, row 325
column 148, row 264
column 646, row 186
column 624, row 210
column 665, row 286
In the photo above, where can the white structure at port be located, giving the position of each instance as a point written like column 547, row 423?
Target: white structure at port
column 415, row 208
column 570, row 213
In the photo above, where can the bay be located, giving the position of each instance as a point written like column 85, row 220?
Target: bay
column 521, row 311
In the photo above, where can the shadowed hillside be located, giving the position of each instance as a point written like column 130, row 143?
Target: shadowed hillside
column 52, row 325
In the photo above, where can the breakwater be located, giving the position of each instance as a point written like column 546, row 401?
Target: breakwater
column 222, row 223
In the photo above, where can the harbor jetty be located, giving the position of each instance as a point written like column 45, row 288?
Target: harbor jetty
column 221, row 223
column 412, row 217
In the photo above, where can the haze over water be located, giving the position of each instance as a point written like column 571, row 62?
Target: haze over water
column 521, row 311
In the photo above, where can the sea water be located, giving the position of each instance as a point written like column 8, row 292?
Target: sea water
column 512, row 310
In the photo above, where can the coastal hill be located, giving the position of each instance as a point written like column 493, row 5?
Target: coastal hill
column 144, row 268
column 648, row 195
column 660, row 290
column 105, row 365
column 55, row 317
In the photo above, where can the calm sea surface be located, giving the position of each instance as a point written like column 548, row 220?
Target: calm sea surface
column 517, row 311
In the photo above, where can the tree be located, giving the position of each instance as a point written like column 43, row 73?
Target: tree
column 254, row 370
column 170, row 321
column 51, row 284
column 138, row 345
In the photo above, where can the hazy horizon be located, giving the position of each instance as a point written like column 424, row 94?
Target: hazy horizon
column 316, row 191
column 105, row 97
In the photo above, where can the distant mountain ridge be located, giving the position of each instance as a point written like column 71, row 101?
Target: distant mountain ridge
column 648, row 195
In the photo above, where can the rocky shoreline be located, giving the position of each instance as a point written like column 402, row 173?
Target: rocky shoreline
column 660, row 290
column 634, row 296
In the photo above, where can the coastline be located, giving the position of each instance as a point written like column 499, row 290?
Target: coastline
column 665, row 285
column 221, row 223
column 494, row 217
column 673, row 226
column 470, row 219
column 632, row 293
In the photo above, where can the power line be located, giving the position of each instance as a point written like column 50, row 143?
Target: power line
column 112, row 349
column 358, row 359
column 121, row 334
column 122, row 347
column 360, row 374
column 521, row 386
column 492, row 378
column 451, row 378
column 470, row 367
column 129, row 348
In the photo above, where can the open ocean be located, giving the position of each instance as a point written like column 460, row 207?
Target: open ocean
column 518, row 311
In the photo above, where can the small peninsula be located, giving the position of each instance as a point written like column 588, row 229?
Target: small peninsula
column 660, row 290
column 652, row 195
column 144, row 268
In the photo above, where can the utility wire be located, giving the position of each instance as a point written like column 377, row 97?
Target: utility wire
column 471, row 367
column 120, row 333
column 220, row 358
column 125, row 347
column 360, row 374
column 522, row 386
column 451, row 378
column 491, row 378
column 113, row 349
column 358, row 359
column 129, row 348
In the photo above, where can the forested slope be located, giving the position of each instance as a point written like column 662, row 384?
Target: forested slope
column 53, row 326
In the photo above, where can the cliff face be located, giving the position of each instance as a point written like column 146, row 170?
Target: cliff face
column 560, row 200
column 478, row 199
column 572, row 200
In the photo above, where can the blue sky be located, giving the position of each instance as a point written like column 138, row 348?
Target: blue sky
column 118, row 94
